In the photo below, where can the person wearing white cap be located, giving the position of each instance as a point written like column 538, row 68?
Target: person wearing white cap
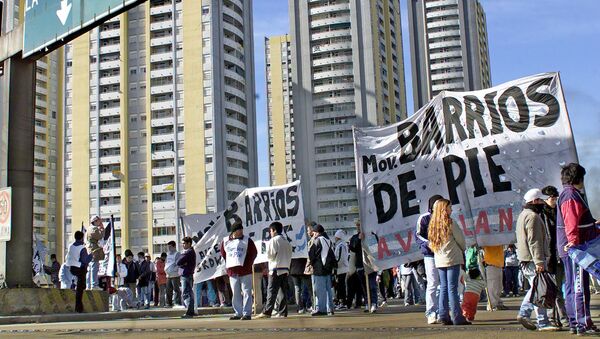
column 94, row 235
column 533, row 251
column 341, row 256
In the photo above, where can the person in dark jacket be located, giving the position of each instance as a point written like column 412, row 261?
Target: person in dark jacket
column 133, row 272
column 555, row 265
column 355, row 248
column 187, row 262
column 575, row 226
column 317, row 254
column 144, row 280
column 239, row 253
column 53, row 271
column 301, row 282
column 78, row 260
column 433, row 279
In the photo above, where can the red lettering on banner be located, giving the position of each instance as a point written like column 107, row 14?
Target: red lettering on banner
column 482, row 223
column 506, row 219
column 405, row 245
column 381, row 248
column 467, row 232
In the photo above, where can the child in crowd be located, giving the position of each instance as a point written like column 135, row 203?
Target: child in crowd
column 474, row 282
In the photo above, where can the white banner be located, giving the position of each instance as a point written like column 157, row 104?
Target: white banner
column 195, row 225
column 107, row 266
column 256, row 209
column 482, row 150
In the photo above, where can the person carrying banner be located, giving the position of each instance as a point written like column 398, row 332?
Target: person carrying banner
column 363, row 270
column 533, row 251
column 493, row 261
column 187, row 262
column 341, row 257
column 78, row 260
column 447, row 241
column 433, row 280
column 279, row 254
column 173, row 275
column 239, row 253
column 322, row 259
column 53, row 271
column 575, row 226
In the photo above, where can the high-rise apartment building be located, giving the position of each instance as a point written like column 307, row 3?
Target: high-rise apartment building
column 347, row 71
column 280, row 110
column 160, row 117
column 449, row 47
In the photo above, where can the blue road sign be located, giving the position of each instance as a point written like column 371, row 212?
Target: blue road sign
column 49, row 21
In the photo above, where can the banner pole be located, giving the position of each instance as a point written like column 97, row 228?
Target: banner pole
column 254, row 292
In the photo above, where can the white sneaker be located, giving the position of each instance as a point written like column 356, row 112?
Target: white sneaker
column 432, row 319
column 373, row 308
column 383, row 304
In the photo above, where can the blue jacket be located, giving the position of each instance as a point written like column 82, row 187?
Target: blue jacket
column 187, row 262
column 422, row 234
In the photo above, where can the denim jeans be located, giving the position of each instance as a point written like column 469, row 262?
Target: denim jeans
column 188, row 293
column 92, row 275
column 323, row 293
column 144, row 295
column 173, row 291
column 449, row 302
column 276, row 282
column 372, row 286
column 527, row 307
column 242, row 294
column 210, row 291
column 302, row 282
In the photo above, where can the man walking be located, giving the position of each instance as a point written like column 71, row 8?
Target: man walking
column 78, row 260
column 187, row 262
column 433, row 279
column 533, row 251
column 279, row 254
column 173, row 275
column 575, row 226
column 239, row 253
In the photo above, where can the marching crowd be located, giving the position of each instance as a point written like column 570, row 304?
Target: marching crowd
column 450, row 280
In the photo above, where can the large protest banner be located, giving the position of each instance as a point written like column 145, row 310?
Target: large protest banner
column 256, row 209
column 482, row 150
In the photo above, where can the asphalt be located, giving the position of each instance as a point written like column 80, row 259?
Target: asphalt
column 394, row 321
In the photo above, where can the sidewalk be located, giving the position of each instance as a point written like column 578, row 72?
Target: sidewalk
column 100, row 316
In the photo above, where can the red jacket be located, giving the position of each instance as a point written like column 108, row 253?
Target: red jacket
column 248, row 261
column 161, row 275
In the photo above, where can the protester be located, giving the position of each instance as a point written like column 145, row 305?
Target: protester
column 408, row 284
column 78, row 260
column 555, row 265
column 493, row 261
column 474, row 284
column 161, row 279
column 53, row 271
column 433, row 280
column 301, row 283
column 152, row 280
column 323, row 264
column 117, row 302
column 211, row 293
column 67, row 280
column 447, row 242
column 133, row 273
column 94, row 234
column 173, row 275
column 239, row 253
column 511, row 271
column 355, row 248
column 143, row 285
column 341, row 257
column 279, row 254
column 187, row 262
column 533, row 251
column 575, row 226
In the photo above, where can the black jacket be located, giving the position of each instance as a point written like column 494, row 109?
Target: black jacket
column 133, row 272
column 549, row 217
column 314, row 255
column 297, row 266
column 355, row 247
column 145, row 273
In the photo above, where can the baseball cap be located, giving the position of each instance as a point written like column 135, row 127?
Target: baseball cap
column 532, row 194
column 94, row 218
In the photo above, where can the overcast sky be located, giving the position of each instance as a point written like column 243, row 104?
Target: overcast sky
column 525, row 38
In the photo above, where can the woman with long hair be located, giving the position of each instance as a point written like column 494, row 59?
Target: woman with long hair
column 447, row 242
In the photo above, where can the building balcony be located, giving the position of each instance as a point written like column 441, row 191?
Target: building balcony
column 41, row 104
column 162, row 171
column 169, row 121
column 161, row 57
column 330, row 8
column 237, row 171
column 109, row 96
column 336, row 197
column 110, row 209
column 40, row 169
column 163, row 138
column 166, row 40
column 442, row 65
column 106, row 128
column 333, row 87
column 161, row 89
column 346, row 45
column 41, row 116
column 107, row 176
column 432, row 4
column 444, row 55
column 110, row 159
column 111, row 64
column 234, row 107
column 330, row 21
column 108, row 112
column 39, row 223
column 41, row 90
column 235, row 187
column 332, row 60
column 112, row 80
column 446, row 76
column 39, row 196
column 110, row 33
column 333, row 73
column 163, row 188
column 160, row 105
column 445, row 44
column 334, row 142
column 231, row 74
column 236, row 139
column 333, row 100
column 235, row 123
column 158, row 155
column 40, row 129
column 163, row 205
column 453, row 86
column 162, row 239
column 115, row 48
column 159, row 73
column 110, row 192
column 235, row 91
column 110, row 143
column 443, row 13
column 330, row 34
column 444, row 23
column 233, row 29
column 443, row 34
column 39, row 210
column 234, row 60
column 40, row 156
column 336, row 183
column 162, row 9
column 237, row 155
column 233, row 14
column 334, row 155
column 157, row 26
column 41, row 77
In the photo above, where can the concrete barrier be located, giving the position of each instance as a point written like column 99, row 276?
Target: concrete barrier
column 37, row 301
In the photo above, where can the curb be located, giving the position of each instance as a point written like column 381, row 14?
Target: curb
column 135, row 314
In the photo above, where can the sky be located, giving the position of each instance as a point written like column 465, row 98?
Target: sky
column 524, row 38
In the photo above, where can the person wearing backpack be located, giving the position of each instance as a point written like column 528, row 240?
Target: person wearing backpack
column 279, row 254
column 474, row 283
column 533, row 251
column 341, row 257
column 322, row 259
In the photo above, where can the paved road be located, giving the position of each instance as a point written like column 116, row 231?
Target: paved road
column 392, row 322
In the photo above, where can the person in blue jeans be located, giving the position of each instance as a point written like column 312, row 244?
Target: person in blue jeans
column 211, row 295
column 447, row 242
column 187, row 262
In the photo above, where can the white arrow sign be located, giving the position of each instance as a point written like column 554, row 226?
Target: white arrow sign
column 63, row 12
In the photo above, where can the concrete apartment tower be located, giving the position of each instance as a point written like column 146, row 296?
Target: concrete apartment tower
column 160, row 118
column 347, row 70
column 280, row 110
column 449, row 47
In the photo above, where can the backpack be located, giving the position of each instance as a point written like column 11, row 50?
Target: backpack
column 330, row 261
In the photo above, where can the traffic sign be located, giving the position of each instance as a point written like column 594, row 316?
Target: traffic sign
column 5, row 213
column 52, row 23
